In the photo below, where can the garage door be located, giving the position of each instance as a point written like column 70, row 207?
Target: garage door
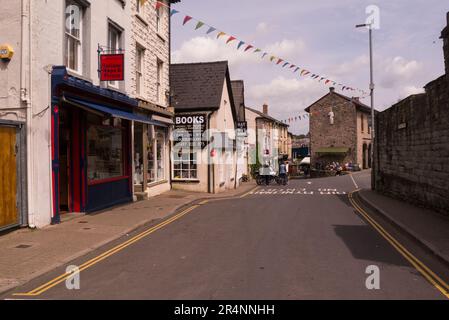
column 8, row 173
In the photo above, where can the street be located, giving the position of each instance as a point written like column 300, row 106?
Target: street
column 301, row 241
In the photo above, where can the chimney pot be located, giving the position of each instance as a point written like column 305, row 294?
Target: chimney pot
column 265, row 109
column 331, row 89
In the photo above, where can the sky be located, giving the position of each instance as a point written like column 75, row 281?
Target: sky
column 321, row 37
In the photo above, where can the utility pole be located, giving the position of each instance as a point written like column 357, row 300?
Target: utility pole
column 371, row 87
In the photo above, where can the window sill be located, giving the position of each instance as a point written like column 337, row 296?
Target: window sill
column 154, row 184
column 161, row 37
column 141, row 19
column 76, row 74
column 186, row 180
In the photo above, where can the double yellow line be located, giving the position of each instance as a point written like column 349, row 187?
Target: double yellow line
column 103, row 256
column 428, row 274
column 63, row 277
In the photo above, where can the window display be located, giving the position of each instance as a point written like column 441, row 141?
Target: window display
column 105, row 150
column 156, row 156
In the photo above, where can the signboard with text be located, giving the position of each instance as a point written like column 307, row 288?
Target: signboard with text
column 242, row 129
column 189, row 131
column 112, row 67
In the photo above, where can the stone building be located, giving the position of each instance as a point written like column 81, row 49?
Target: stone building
column 412, row 145
column 339, row 130
column 69, row 134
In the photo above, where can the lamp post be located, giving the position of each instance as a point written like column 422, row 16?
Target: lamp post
column 371, row 87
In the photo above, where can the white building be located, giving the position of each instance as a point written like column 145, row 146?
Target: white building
column 205, row 118
column 74, row 134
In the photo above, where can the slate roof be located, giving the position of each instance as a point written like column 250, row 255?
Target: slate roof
column 267, row 117
column 238, row 91
column 198, row 86
column 359, row 105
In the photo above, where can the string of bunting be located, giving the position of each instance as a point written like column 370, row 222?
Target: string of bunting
column 247, row 47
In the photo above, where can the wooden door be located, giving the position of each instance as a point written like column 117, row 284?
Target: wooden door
column 8, row 180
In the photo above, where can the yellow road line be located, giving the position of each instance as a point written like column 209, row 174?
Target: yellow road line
column 249, row 192
column 428, row 274
column 50, row 284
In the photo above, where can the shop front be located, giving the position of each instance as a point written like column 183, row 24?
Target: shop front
column 91, row 145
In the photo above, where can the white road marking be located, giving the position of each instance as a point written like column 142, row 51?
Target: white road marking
column 299, row 191
column 355, row 183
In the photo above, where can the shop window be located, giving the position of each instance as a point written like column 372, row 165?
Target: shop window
column 74, row 20
column 185, row 165
column 156, row 156
column 105, row 149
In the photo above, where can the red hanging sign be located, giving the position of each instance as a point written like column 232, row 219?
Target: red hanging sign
column 112, row 67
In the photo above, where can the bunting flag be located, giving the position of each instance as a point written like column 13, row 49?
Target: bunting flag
column 241, row 43
column 186, row 19
column 199, row 25
column 248, row 47
column 211, row 29
column 231, row 38
column 158, row 5
column 220, row 34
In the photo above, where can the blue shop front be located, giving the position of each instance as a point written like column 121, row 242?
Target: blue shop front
column 91, row 141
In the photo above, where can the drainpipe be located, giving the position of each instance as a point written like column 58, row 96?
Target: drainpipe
column 25, row 96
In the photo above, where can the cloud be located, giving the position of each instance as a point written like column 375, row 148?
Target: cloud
column 205, row 49
column 262, row 28
column 397, row 71
column 286, row 97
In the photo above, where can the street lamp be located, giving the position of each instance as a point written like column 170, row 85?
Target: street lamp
column 371, row 87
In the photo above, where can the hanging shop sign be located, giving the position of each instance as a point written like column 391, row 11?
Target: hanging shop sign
column 112, row 67
column 242, row 128
column 189, row 131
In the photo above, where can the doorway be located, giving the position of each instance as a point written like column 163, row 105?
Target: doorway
column 9, row 151
column 64, row 161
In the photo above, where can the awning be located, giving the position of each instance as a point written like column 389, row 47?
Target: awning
column 116, row 113
column 332, row 150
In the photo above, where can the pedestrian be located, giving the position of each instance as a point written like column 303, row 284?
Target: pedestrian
column 283, row 172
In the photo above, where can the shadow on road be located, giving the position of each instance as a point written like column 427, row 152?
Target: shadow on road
column 365, row 244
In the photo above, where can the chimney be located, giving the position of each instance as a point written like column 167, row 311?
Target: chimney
column 445, row 37
column 332, row 89
column 265, row 109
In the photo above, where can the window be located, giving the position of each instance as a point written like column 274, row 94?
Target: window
column 185, row 165
column 114, row 44
column 363, row 123
column 140, row 54
column 156, row 156
column 73, row 57
column 105, row 148
column 159, row 93
column 158, row 19
column 138, row 6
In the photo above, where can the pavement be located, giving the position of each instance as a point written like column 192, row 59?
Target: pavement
column 26, row 254
column 301, row 241
column 427, row 227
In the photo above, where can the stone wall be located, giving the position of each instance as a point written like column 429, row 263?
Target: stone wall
column 412, row 153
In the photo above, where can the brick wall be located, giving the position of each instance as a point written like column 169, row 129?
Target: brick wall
column 343, row 133
column 412, row 153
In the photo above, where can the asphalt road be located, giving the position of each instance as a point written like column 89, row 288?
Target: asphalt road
column 303, row 241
